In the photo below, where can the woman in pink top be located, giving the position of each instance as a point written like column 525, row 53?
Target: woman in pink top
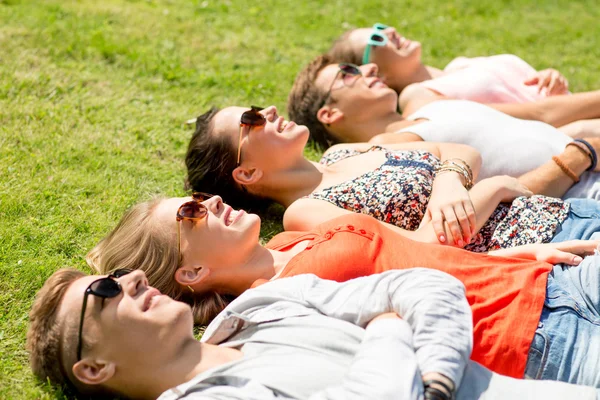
column 501, row 78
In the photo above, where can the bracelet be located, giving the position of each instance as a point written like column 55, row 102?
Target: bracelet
column 564, row 167
column 458, row 166
column 464, row 165
column 433, row 393
column 591, row 152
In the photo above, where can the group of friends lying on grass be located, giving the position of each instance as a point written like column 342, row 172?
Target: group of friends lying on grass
column 445, row 252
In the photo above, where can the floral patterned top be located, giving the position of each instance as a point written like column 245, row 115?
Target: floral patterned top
column 398, row 192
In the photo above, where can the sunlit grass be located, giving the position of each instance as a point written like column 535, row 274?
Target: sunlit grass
column 93, row 96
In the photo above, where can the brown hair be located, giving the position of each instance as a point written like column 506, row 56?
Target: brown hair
column 342, row 50
column 52, row 343
column 210, row 161
column 139, row 242
column 306, row 98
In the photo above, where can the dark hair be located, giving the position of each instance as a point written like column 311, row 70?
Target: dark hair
column 305, row 100
column 342, row 51
column 210, row 161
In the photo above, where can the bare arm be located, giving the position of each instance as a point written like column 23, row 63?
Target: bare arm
column 550, row 180
column 556, row 110
column 570, row 252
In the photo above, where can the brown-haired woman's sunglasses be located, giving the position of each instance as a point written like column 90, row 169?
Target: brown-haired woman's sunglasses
column 192, row 210
column 250, row 118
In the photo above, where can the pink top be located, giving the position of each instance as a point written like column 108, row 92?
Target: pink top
column 494, row 79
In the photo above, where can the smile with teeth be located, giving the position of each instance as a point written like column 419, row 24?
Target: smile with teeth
column 282, row 125
column 232, row 217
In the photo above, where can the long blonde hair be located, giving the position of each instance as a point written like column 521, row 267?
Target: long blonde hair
column 139, row 242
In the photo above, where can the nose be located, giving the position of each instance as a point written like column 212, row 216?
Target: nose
column 214, row 204
column 370, row 69
column 270, row 113
column 134, row 282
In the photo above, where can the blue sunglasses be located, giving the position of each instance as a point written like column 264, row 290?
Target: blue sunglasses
column 377, row 38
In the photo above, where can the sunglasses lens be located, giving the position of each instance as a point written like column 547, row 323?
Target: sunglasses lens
column 253, row 117
column 105, row 287
column 192, row 210
column 121, row 272
column 377, row 38
column 350, row 69
column 201, row 196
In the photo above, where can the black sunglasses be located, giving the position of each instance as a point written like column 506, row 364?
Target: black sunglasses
column 345, row 70
column 105, row 288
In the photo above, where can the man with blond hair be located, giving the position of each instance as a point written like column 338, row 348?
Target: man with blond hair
column 296, row 338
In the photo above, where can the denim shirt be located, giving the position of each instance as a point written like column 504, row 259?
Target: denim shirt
column 307, row 338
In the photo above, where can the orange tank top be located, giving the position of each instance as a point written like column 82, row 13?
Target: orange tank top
column 506, row 294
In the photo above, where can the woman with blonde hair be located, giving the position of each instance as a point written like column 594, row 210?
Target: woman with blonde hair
column 209, row 250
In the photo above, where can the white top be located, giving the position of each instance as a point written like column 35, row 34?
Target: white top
column 508, row 146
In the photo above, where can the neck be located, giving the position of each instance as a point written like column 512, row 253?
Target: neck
column 194, row 358
column 402, row 79
column 291, row 184
column 363, row 131
column 262, row 263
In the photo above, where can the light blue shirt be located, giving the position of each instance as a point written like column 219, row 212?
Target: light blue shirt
column 307, row 338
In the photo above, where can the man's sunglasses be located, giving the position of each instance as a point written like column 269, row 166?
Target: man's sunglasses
column 192, row 210
column 377, row 38
column 249, row 118
column 348, row 72
column 105, row 288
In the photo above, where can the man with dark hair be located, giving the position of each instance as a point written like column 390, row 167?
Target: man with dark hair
column 349, row 103
column 296, row 338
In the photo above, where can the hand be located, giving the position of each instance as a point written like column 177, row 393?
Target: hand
column 570, row 252
column 384, row 316
column 450, row 202
column 510, row 188
column 551, row 80
column 439, row 377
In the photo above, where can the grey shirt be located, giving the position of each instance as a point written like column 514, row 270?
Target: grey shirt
column 305, row 338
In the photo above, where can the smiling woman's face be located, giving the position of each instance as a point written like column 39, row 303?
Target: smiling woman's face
column 399, row 56
column 270, row 146
column 219, row 239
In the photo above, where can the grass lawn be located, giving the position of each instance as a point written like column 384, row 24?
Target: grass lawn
column 93, row 95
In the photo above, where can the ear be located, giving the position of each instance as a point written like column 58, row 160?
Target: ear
column 93, row 372
column 192, row 275
column 329, row 115
column 247, row 176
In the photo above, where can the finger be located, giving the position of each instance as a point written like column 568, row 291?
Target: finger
column 579, row 247
column 472, row 218
column 532, row 81
column 463, row 222
column 426, row 218
column 454, row 226
column 552, row 85
column 564, row 257
column 437, row 221
column 543, row 82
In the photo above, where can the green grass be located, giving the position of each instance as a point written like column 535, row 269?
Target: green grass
column 93, row 95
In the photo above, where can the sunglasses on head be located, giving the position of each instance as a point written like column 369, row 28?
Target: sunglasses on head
column 250, row 118
column 348, row 71
column 192, row 210
column 377, row 38
column 104, row 288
